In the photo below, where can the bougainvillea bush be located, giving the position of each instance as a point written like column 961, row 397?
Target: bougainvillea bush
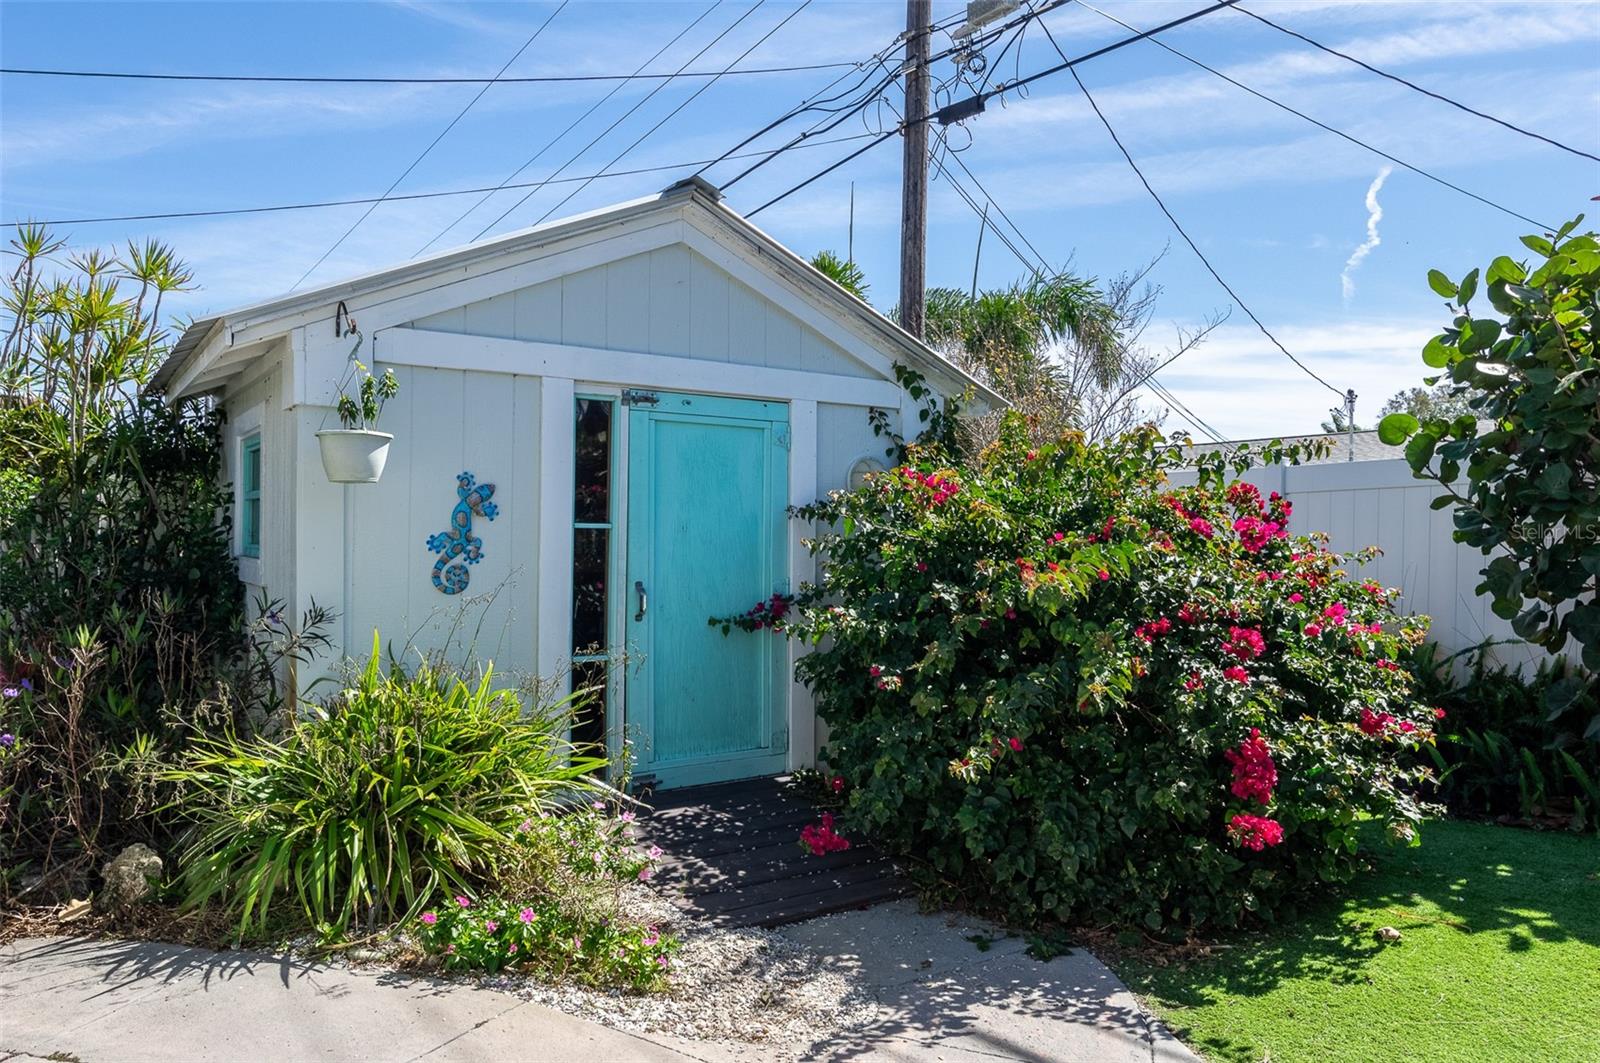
column 1072, row 691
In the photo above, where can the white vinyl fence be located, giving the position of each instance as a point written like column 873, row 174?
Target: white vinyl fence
column 1380, row 503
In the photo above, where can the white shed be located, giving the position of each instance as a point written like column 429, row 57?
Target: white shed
column 647, row 387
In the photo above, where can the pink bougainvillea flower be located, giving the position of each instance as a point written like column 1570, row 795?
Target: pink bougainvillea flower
column 1015, row 744
column 1313, row 629
column 1373, row 723
column 875, row 670
column 1254, row 832
column 1336, row 614
column 1104, row 575
column 837, row 784
column 1011, row 614
column 1438, row 714
column 1201, row 527
column 1254, row 773
column 1237, row 674
column 1193, row 682
column 1244, row 643
column 821, row 840
column 1297, row 597
column 922, row 566
column 1407, row 726
column 430, row 917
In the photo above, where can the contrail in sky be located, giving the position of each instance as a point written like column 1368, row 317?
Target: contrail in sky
column 1374, row 216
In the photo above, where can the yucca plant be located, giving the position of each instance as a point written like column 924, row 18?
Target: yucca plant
column 407, row 785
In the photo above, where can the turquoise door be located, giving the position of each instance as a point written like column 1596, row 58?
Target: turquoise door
column 707, row 489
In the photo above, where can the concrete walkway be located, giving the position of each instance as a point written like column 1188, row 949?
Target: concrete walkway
column 941, row 999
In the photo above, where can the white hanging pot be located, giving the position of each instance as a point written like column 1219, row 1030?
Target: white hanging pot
column 354, row 455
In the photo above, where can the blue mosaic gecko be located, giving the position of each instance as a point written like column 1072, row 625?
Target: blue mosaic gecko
column 457, row 542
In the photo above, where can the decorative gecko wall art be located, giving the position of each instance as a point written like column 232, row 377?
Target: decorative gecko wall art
column 457, row 547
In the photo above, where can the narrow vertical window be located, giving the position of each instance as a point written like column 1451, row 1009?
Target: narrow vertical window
column 591, row 565
column 250, row 496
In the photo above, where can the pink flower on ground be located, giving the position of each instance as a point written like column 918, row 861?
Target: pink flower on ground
column 464, row 902
column 490, row 925
column 430, row 917
column 645, row 874
column 527, row 915
column 654, row 852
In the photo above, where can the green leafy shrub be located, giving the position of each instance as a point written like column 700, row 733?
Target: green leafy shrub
column 409, row 786
column 1514, row 744
column 1522, row 467
column 120, row 604
column 1070, row 692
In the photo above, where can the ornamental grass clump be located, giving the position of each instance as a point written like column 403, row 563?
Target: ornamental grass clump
column 408, row 786
column 1071, row 690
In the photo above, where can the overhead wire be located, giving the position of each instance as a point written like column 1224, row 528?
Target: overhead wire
column 553, row 141
column 532, row 79
column 443, row 194
column 431, row 145
column 1418, row 88
column 676, row 110
column 1182, row 232
column 1319, row 123
column 989, row 94
column 625, row 115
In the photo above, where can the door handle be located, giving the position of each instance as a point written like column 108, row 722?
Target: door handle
column 644, row 599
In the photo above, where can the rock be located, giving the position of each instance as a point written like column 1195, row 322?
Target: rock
column 1386, row 933
column 128, row 878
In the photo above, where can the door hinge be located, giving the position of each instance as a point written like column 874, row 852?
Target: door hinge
column 780, row 740
column 635, row 397
column 782, row 436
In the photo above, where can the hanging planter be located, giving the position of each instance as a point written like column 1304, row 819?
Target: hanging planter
column 354, row 455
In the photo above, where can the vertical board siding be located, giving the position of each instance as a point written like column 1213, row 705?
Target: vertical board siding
column 1378, row 503
column 446, row 422
column 669, row 301
column 276, row 561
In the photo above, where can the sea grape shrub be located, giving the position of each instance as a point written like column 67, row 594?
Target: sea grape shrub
column 1070, row 690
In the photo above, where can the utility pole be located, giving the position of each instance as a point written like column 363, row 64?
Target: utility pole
column 914, row 178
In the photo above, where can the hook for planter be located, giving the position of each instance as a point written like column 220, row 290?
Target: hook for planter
column 343, row 323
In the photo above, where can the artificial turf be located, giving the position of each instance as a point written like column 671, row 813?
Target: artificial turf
column 1499, row 959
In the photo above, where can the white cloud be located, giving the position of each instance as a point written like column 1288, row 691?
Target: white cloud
column 1347, row 280
column 1244, row 386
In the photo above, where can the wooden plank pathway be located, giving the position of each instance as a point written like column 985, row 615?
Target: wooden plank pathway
column 732, row 856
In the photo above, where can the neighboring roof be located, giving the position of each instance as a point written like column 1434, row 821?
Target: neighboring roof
column 1364, row 446
column 199, row 336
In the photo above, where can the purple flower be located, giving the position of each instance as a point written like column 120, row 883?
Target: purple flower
column 430, row 918
column 7, row 740
column 10, row 692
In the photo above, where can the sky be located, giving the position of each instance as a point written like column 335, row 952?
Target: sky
column 1327, row 242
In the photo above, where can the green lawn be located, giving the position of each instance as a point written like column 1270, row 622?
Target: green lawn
column 1499, row 960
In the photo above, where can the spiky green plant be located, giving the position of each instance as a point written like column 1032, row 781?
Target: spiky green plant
column 408, row 786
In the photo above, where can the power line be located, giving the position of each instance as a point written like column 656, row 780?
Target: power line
column 1320, row 124
column 341, row 80
column 990, row 94
column 1418, row 88
column 672, row 113
column 553, row 141
column 625, row 115
column 1181, row 232
column 431, row 145
column 276, row 208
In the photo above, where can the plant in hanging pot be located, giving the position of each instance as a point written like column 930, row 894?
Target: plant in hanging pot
column 355, row 454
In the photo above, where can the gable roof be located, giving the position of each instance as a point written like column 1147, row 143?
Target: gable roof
column 207, row 339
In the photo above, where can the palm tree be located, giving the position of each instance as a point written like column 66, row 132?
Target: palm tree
column 843, row 272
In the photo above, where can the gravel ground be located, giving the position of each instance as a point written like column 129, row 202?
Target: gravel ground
column 727, row 985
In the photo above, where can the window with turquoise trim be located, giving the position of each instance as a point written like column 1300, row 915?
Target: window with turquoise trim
column 591, row 563
column 250, row 496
